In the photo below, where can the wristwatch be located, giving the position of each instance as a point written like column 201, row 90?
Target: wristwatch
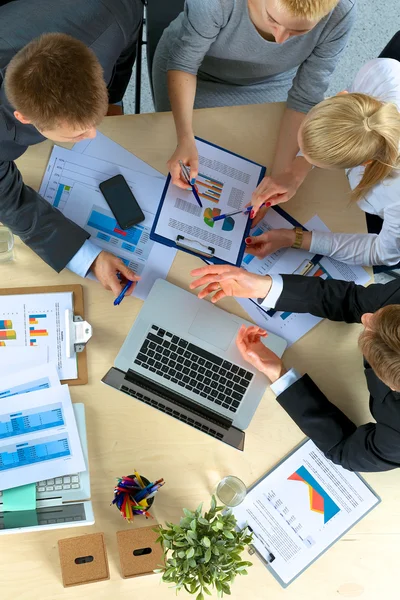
column 299, row 237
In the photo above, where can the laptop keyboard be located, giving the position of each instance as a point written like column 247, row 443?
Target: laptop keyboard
column 189, row 366
column 58, row 484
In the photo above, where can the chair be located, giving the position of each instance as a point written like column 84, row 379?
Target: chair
column 159, row 14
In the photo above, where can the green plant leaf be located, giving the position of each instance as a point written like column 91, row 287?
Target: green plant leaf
column 193, row 525
column 207, row 591
column 206, row 541
column 203, row 521
column 207, row 556
column 179, row 544
column 188, row 513
column 213, row 503
column 200, row 596
column 193, row 563
column 226, row 589
column 181, row 554
column 228, row 534
column 190, row 552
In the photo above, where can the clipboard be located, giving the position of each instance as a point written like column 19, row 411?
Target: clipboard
column 77, row 302
column 312, row 262
column 193, row 246
column 268, row 564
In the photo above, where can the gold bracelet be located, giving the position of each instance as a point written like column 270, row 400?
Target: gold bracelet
column 299, row 237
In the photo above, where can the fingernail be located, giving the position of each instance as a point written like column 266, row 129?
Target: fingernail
column 193, row 180
column 252, row 214
column 267, row 204
column 189, row 188
column 248, row 240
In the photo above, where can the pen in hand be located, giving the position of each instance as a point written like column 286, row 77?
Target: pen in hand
column 236, row 212
column 186, row 176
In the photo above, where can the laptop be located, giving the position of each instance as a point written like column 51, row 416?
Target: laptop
column 180, row 357
column 60, row 502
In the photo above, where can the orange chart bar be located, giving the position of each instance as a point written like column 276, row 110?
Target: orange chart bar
column 37, row 332
column 8, row 334
column 2, row 344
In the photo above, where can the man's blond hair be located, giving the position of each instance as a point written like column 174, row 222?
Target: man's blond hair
column 381, row 345
column 312, row 10
column 56, row 80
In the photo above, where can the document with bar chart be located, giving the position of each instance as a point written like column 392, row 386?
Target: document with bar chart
column 302, row 507
column 71, row 184
column 38, row 437
column 38, row 320
column 292, row 326
column 225, row 184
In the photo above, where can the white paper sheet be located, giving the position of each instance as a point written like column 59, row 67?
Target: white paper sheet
column 29, row 380
column 13, row 359
column 300, row 508
column 71, row 183
column 106, row 149
column 225, row 183
column 30, row 320
column 292, row 326
column 38, row 437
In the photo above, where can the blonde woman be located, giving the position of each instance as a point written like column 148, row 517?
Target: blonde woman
column 234, row 52
column 360, row 132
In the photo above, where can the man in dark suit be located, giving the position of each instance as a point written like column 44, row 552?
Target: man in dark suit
column 61, row 64
column 370, row 447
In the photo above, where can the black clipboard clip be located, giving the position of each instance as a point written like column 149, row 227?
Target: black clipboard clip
column 195, row 246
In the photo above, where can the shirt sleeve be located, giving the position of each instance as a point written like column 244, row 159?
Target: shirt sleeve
column 312, row 77
column 274, row 293
column 82, row 261
column 285, row 381
column 201, row 24
column 363, row 248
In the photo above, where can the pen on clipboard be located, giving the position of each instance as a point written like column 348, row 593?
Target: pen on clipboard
column 186, row 176
column 236, row 212
column 269, row 557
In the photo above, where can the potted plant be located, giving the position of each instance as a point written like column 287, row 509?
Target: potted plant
column 203, row 551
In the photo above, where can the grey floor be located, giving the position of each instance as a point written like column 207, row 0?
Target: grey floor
column 377, row 22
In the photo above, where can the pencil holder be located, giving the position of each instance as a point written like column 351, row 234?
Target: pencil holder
column 134, row 495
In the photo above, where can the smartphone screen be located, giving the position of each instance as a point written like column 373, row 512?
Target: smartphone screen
column 122, row 202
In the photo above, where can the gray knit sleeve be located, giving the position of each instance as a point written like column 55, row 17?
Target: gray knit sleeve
column 312, row 78
column 201, row 23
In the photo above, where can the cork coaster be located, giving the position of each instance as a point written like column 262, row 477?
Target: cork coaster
column 83, row 559
column 138, row 551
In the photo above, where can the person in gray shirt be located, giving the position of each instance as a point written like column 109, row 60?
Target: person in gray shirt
column 234, row 52
column 56, row 61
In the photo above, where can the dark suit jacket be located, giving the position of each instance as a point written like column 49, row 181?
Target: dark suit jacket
column 108, row 27
column 370, row 447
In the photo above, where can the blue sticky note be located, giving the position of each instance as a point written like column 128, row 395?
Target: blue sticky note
column 20, row 498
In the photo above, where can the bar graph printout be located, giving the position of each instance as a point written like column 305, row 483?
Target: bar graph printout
column 71, row 184
column 38, row 436
column 38, row 320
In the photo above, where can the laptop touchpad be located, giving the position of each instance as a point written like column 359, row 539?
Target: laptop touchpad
column 213, row 327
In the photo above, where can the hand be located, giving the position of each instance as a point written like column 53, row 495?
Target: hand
column 186, row 151
column 253, row 351
column 271, row 191
column 225, row 280
column 270, row 242
column 105, row 268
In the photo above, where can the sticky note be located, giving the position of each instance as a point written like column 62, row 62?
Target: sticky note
column 21, row 518
column 20, row 498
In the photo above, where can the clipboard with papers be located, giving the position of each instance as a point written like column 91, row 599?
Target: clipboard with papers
column 300, row 508
column 225, row 184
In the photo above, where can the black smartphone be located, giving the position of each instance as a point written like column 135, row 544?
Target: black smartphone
column 122, row 202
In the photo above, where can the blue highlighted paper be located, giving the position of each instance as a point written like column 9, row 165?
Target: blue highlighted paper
column 30, row 420
column 32, row 386
column 36, row 451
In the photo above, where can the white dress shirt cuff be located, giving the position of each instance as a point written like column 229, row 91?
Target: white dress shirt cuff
column 273, row 295
column 82, row 261
column 285, row 381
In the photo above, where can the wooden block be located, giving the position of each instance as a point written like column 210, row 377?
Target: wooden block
column 138, row 551
column 83, row 559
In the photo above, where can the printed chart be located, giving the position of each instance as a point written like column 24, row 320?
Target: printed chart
column 43, row 383
column 35, row 451
column 208, row 188
column 228, row 223
column 30, row 420
column 320, row 502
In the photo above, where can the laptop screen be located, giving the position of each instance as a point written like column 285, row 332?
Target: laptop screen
column 43, row 516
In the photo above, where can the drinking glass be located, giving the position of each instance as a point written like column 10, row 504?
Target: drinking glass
column 231, row 491
column 6, row 244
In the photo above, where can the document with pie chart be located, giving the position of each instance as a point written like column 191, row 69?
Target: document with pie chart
column 225, row 184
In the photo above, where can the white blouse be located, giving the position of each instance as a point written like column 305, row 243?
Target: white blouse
column 379, row 78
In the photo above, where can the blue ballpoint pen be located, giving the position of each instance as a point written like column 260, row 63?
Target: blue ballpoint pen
column 245, row 212
column 186, row 176
column 121, row 296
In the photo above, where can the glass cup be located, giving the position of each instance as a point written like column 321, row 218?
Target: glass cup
column 6, row 244
column 231, row 491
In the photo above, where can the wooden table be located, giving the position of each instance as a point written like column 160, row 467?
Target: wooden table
column 123, row 433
